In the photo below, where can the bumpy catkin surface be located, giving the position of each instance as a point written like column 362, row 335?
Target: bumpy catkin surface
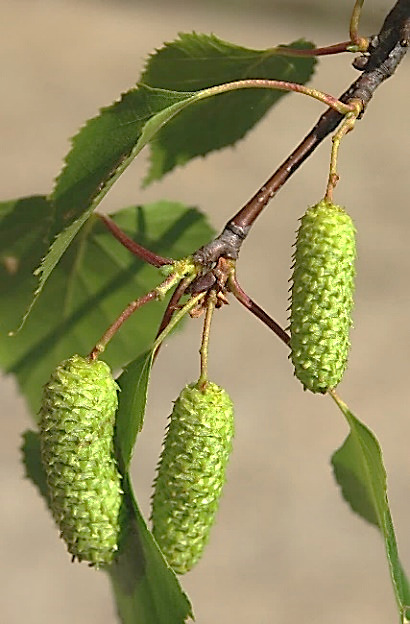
column 322, row 296
column 76, row 429
column 191, row 473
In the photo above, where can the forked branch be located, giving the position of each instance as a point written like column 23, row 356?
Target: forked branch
column 385, row 52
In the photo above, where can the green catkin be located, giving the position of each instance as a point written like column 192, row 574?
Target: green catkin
column 76, row 431
column 191, row 473
column 322, row 296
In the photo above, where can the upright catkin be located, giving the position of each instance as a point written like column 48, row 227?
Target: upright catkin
column 191, row 473
column 322, row 296
column 76, row 431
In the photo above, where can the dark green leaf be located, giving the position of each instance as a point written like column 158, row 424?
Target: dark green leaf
column 24, row 239
column 146, row 589
column 359, row 470
column 104, row 147
column 349, row 475
column 133, row 383
column 90, row 286
column 108, row 143
column 197, row 61
column 32, row 463
column 101, row 151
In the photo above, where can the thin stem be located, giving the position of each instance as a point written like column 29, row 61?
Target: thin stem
column 389, row 49
column 253, row 307
column 347, row 126
column 176, row 318
column 144, row 254
column 339, row 402
column 335, row 48
column 281, row 85
column 172, row 307
column 156, row 293
column 173, row 303
column 361, row 43
column 205, row 339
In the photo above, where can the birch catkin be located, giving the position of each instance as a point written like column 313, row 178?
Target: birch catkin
column 76, row 431
column 191, row 473
column 322, row 296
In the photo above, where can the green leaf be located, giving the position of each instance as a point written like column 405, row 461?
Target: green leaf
column 359, row 470
column 197, row 61
column 31, row 457
column 24, row 239
column 133, row 383
column 146, row 589
column 101, row 151
column 94, row 281
column 104, row 147
column 108, row 143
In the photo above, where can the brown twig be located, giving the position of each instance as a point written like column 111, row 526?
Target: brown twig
column 171, row 308
column 253, row 307
column 384, row 57
column 385, row 52
column 138, row 250
column 335, row 48
column 114, row 327
column 157, row 293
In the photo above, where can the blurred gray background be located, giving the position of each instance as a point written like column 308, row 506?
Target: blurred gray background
column 285, row 548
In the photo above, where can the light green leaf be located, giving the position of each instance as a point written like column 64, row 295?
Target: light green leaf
column 197, row 61
column 359, row 470
column 90, row 286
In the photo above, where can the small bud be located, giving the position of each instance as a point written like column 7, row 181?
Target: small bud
column 76, row 430
column 191, row 473
column 322, row 296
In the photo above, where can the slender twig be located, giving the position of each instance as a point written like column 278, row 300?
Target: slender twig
column 347, row 125
column 114, row 327
column 144, row 254
column 156, row 293
column 335, row 48
column 280, row 85
column 385, row 53
column 172, row 306
column 253, row 307
column 382, row 63
column 176, row 319
column 205, row 339
column 361, row 42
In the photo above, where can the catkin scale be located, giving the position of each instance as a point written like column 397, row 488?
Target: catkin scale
column 76, row 432
column 191, row 473
column 322, row 296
